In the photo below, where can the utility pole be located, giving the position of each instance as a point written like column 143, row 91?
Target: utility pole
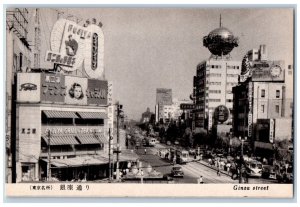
column 49, row 156
column 119, row 107
column 109, row 154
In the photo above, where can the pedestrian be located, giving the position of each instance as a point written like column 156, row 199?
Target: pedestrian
column 200, row 180
column 218, row 167
column 145, row 150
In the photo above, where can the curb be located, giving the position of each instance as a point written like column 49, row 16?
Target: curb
column 206, row 165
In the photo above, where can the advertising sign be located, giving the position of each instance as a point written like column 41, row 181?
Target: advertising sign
column 268, row 71
column 187, row 106
column 221, row 113
column 94, row 52
column 67, row 43
column 96, row 92
column 29, row 85
column 110, row 93
column 271, row 137
column 72, row 44
column 76, row 89
column 250, row 113
column 210, row 119
column 71, row 130
column 53, row 88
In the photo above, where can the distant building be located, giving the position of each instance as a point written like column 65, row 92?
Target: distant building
column 163, row 97
column 262, row 104
column 147, row 116
column 174, row 111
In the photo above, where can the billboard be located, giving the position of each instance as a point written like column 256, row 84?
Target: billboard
column 57, row 88
column 53, row 88
column 268, row 71
column 187, row 106
column 76, row 88
column 221, row 113
column 28, row 87
column 72, row 45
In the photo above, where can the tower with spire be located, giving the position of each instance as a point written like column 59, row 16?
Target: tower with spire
column 214, row 80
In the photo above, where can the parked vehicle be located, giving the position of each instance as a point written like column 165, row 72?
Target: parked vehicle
column 254, row 168
column 168, row 143
column 177, row 171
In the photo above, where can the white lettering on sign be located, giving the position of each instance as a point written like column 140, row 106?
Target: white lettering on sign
column 78, row 30
column 271, row 138
column 72, row 130
column 250, row 96
column 52, row 79
column 59, row 58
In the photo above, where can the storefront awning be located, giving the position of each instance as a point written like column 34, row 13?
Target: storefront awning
column 61, row 140
column 77, row 161
column 60, row 114
column 101, row 137
column 88, row 139
column 92, row 115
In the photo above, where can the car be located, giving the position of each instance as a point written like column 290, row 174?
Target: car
column 168, row 143
column 177, row 171
column 176, row 142
column 192, row 151
column 268, row 172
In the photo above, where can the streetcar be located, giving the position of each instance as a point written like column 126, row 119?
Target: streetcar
column 182, row 156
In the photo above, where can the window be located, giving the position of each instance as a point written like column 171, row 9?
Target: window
column 23, row 130
column 229, row 100
column 33, row 131
column 262, row 108
column 277, row 93
column 277, row 109
column 263, row 93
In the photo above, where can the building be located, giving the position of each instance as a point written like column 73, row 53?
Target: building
column 163, row 97
column 18, row 53
column 147, row 116
column 262, row 103
column 59, row 122
column 175, row 111
column 214, row 80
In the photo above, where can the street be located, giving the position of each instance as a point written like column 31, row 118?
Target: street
column 192, row 170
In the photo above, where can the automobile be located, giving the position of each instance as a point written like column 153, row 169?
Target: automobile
column 177, row 171
column 192, row 151
column 254, row 168
column 268, row 172
column 168, row 143
column 176, row 142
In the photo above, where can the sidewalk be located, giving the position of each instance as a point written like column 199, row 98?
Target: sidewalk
column 202, row 162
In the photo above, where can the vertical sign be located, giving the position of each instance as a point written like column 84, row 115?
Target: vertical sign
column 110, row 93
column 250, row 113
column 271, row 138
column 210, row 119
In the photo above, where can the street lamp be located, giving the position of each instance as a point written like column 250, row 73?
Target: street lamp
column 242, row 158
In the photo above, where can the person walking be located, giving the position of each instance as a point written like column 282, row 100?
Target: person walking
column 145, row 150
column 200, row 180
column 218, row 168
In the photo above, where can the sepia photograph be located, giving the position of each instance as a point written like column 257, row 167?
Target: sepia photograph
column 149, row 101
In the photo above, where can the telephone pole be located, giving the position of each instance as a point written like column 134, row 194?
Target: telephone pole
column 49, row 156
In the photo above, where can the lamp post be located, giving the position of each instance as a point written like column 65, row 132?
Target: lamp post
column 109, row 154
column 242, row 158
column 119, row 115
column 49, row 155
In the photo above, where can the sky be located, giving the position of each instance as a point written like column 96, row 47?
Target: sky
column 149, row 48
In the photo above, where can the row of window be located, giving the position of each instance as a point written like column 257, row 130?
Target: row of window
column 214, row 91
column 28, row 131
column 263, row 93
column 277, row 108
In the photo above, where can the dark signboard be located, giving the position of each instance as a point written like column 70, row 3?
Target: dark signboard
column 53, row 88
column 187, row 106
column 221, row 113
column 97, row 92
column 268, row 71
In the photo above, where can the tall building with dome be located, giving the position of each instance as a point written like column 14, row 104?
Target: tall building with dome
column 214, row 80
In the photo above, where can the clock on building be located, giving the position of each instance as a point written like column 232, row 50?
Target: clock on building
column 275, row 70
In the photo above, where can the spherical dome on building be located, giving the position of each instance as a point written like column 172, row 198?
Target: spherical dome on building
column 220, row 41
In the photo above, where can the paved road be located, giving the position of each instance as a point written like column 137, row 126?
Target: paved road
column 192, row 170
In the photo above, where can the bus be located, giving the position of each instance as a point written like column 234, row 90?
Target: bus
column 182, row 156
column 151, row 141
